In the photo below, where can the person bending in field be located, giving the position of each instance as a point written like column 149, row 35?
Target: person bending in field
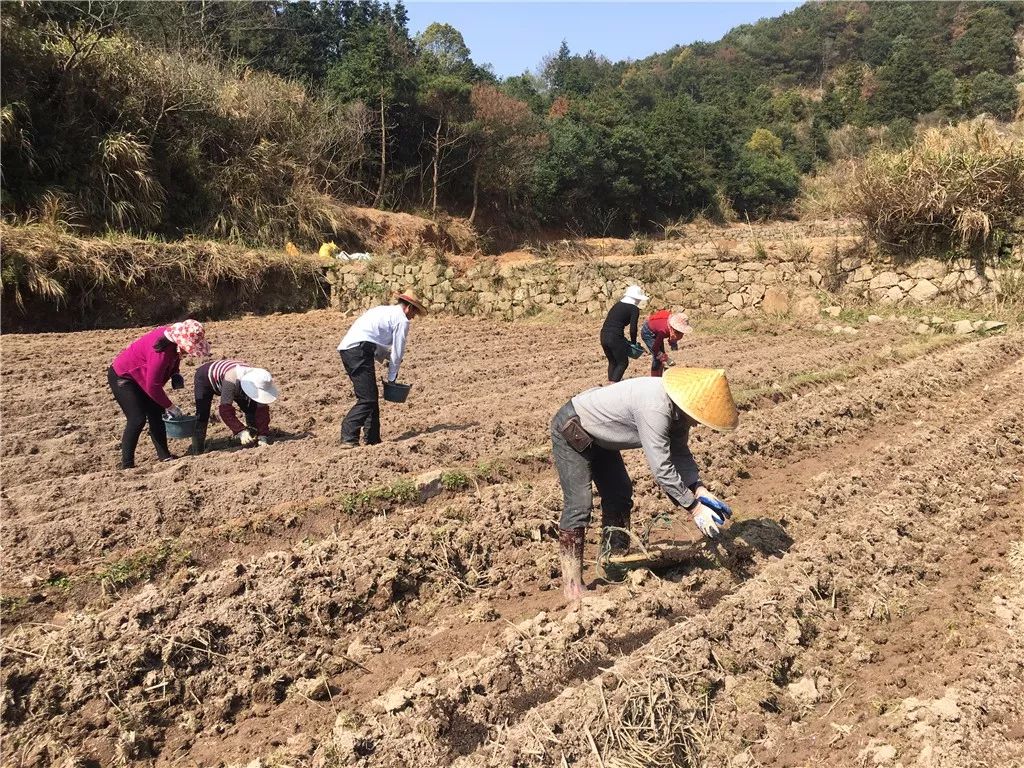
column 137, row 378
column 660, row 327
column 626, row 311
column 378, row 334
column 590, row 431
column 252, row 390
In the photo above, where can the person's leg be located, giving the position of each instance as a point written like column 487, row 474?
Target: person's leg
column 365, row 414
column 616, row 491
column 620, row 355
column 648, row 338
column 129, row 397
column 577, row 501
column 609, row 352
column 157, row 428
column 204, row 401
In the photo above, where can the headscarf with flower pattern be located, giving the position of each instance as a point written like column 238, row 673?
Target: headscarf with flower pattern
column 190, row 337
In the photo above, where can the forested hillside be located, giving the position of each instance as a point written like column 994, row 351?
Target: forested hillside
column 257, row 121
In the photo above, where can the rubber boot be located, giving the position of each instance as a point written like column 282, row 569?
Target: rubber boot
column 199, row 438
column 570, row 544
column 618, row 541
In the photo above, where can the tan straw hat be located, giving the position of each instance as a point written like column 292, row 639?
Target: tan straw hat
column 409, row 297
column 703, row 394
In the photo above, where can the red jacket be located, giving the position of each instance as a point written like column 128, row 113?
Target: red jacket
column 658, row 324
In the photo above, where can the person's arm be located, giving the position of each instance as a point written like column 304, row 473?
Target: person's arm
column 634, row 319
column 682, row 457
column 398, row 350
column 654, row 427
column 226, row 409
column 261, row 420
column 156, row 372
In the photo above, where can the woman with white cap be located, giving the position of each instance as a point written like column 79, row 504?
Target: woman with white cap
column 137, row 378
column 626, row 311
column 589, row 433
column 238, row 384
column 660, row 327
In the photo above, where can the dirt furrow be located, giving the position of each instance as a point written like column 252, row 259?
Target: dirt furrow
column 739, row 658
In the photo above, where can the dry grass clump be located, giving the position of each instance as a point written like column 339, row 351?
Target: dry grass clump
column 653, row 721
column 954, row 188
column 97, row 281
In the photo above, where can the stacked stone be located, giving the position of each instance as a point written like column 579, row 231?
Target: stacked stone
column 721, row 287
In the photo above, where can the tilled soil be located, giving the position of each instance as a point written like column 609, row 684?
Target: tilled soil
column 301, row 605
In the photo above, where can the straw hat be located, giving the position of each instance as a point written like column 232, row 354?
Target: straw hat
column 703, row 394
column 259, row 385
column 409, row 297
column 680, row 322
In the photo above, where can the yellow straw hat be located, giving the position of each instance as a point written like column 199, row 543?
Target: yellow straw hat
column 703, row 394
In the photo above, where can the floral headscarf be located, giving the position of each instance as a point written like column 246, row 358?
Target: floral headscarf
column 680, row 323
column 190, row 337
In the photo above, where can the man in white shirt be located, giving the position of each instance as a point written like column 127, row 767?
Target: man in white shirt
column 377, row 335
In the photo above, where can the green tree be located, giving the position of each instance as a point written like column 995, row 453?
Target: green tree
column 375, row 71
column 987, row 44
column 763, row 181
column 903, row 82
column 994, row 94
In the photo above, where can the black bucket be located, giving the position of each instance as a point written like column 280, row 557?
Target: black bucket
column 395, row 392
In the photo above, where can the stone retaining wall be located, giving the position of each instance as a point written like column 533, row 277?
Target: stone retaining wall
column 727, row 288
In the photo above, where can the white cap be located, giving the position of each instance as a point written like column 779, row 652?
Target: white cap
column 258, row 384
column 636, row 293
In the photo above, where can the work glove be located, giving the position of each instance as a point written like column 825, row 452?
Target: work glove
column 174, row 412
column 714, row 504
column 710, row 516
column 245, row 437
column 263, row 441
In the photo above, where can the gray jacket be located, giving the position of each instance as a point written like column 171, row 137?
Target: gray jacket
column 638, row 413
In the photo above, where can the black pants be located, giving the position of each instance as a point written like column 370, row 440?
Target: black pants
column 365, row 414
column 138, row 408
column 616, row 349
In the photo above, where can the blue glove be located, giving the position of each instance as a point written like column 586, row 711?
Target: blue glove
column 721, row 510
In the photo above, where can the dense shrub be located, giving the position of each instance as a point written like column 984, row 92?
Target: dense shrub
column 954, row 188
column 764, row 181
column 128, row 138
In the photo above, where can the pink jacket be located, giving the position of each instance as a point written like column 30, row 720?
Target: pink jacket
column 150, row 369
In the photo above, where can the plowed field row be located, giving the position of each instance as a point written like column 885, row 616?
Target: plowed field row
column 281, row 619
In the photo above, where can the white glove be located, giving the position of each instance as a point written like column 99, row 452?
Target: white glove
column 245, row 437
column 174, row 412
column 263, row 441
column 708, row 521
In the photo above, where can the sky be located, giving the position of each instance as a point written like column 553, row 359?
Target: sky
column 515, row 37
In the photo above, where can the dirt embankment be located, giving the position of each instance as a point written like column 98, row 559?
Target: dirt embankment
column 55, row 281
column 296, row 604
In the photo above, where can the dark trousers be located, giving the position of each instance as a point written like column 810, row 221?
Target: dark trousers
column 576, row 472
column 616, row 349
column 138, row 408
column 365, row 414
